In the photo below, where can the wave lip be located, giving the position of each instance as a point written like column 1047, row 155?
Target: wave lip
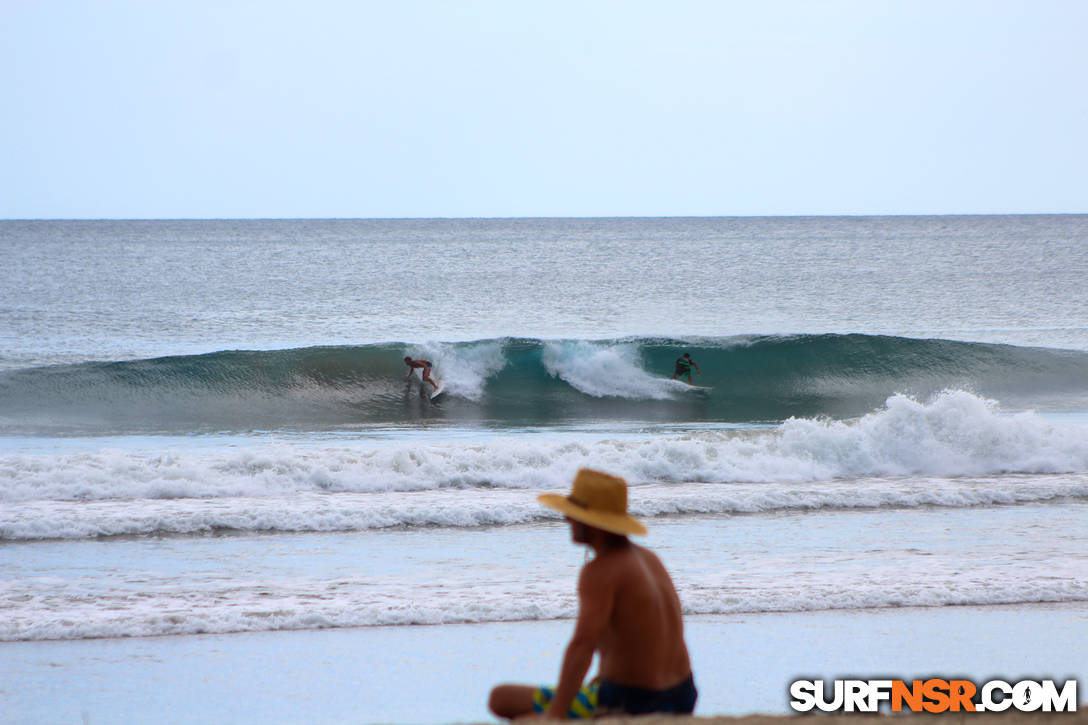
column 514, row 382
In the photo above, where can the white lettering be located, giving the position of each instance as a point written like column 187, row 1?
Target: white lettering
column 1065, row 701
column 855, row 695
column 1027, row 696
column 993, row 696
column 829, row 705
column 988, row 701
column 803, row 693
column 880, row 691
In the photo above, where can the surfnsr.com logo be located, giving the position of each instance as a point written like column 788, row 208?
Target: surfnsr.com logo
column 933, row 695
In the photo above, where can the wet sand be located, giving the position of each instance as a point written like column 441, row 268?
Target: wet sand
column 442, row 674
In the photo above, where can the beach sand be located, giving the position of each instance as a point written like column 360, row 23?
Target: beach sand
column 442, row 674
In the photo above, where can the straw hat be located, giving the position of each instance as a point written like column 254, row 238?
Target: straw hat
column 597, row 499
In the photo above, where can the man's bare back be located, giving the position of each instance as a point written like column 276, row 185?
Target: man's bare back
column 642, row 644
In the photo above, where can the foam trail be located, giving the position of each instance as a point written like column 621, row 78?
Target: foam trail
column 464, row 369
column 605, row 371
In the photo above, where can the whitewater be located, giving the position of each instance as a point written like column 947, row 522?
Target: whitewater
column 954, row 441
column 205, row 427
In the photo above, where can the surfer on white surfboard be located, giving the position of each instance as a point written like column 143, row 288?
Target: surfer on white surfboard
column 684, row 364
column 425, row 366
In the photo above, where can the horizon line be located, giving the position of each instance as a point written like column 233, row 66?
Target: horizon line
column 528, row 218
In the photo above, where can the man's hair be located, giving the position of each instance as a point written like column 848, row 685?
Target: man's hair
column 687, row 354
column 407, row 358
column 614, row 539
column 610, row 538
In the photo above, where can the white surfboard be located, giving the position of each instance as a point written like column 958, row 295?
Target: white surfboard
column 437, row 391
column 685, row 385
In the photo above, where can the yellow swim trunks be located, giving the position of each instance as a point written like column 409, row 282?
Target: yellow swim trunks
column 583, row 707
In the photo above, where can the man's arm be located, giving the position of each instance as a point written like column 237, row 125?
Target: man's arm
column 596, row 596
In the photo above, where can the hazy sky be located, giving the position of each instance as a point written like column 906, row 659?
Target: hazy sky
column 201, row 108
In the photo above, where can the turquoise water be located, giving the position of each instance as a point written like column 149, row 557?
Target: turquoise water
column 517, row 382
column 205, row 426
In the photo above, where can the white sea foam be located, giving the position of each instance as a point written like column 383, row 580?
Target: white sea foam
column 850, row 560
column 256, row 607
column 605, row 371
column 463, row 370
column 957, row 434
column 470, row 508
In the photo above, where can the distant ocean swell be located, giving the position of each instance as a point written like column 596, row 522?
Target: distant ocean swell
column 957, row 450
column 527, row 382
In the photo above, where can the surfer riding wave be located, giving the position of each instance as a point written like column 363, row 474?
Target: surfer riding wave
column 684, row 364
column 424, row 365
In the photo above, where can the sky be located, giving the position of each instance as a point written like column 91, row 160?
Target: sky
column 501, row 108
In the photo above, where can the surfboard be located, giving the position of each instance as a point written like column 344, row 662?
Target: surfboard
column 437, row 391
column 685, row 385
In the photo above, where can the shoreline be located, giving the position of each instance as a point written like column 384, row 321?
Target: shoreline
column 743, row 665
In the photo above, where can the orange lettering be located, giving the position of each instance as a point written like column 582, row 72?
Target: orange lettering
column 961, row 692
column 911, row 695
column 936, row 691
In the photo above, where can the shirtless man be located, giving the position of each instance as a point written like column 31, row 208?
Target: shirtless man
column 683, row 366
column 425, row 364
column 628, row 612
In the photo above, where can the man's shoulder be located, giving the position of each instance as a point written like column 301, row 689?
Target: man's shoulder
column 616, row 560
column 647, row 555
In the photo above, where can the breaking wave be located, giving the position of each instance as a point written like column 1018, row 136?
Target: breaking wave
column 515, row 382
column 962, row 448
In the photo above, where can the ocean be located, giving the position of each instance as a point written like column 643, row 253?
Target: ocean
column 206, row 430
